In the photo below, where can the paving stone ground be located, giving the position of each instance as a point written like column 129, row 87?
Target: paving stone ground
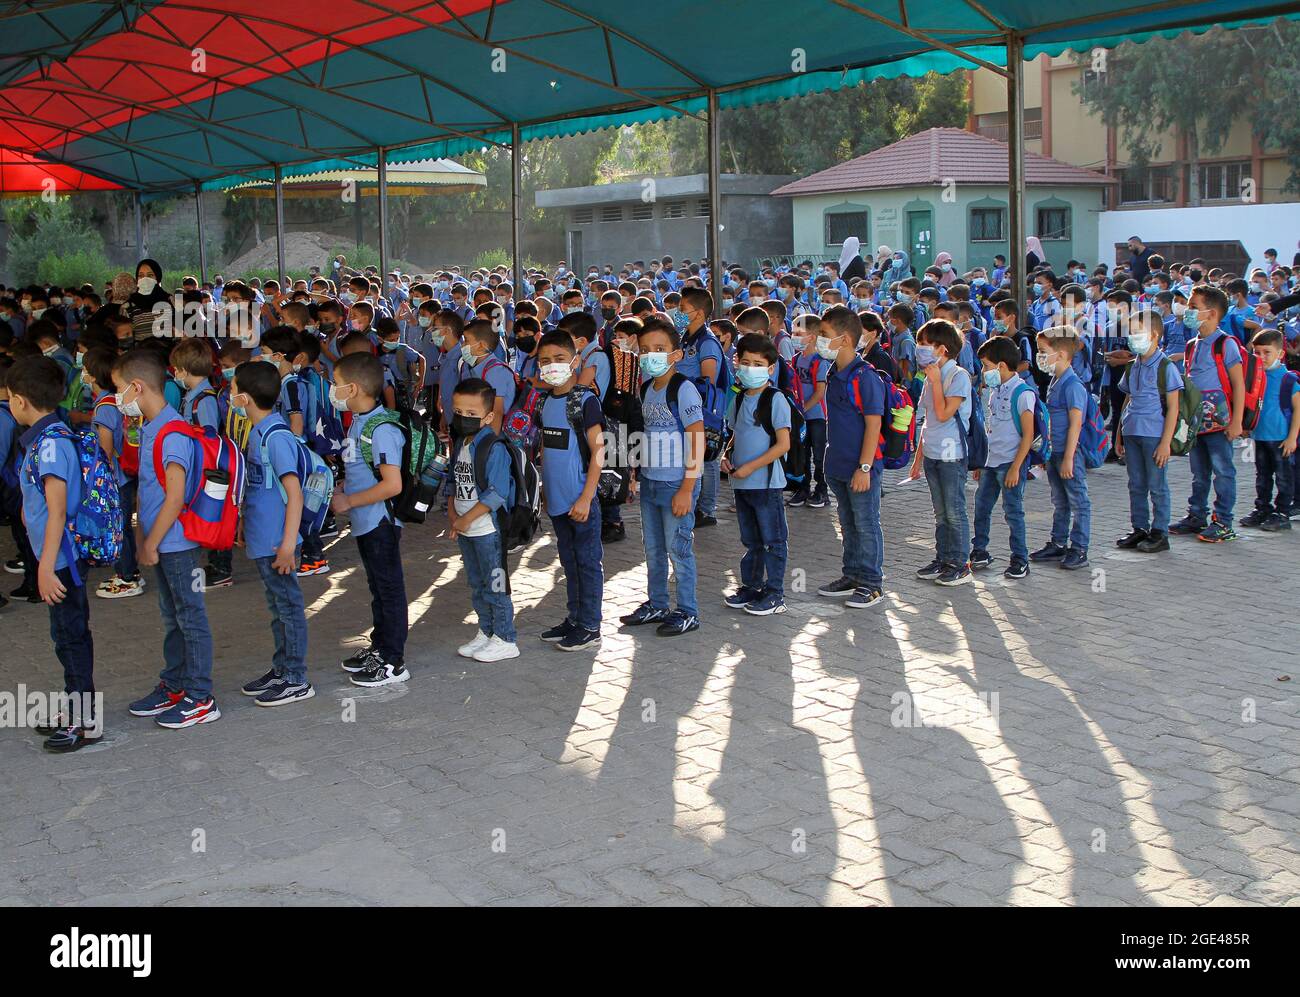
column 1120, row 737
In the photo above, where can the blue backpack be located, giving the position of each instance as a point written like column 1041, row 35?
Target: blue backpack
column 974, row 439
column 1040, row 451
column 1094, row 440
column 316, row 478
column 94, row 530
column 324, row 430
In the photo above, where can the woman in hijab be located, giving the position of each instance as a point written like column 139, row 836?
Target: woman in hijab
column 148, row 293
column 900, row 266
column 1034, row 255
column 947, row 275
column 851, row 265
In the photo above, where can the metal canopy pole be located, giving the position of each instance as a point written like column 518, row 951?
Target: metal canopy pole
column 516, row 211
column 279, row 224
column 139, row 225
column 1016, row 170
column 715, row 204
column 382, row 162
column 203, row 251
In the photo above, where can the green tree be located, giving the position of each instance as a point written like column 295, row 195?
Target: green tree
column 42, row 232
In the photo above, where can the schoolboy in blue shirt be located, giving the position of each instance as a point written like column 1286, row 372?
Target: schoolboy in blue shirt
column 272, row 512
column 183, row 697
column 479, row 361
column 1211, row 454
column 758, row 479
column 403, row 364
column 855, row 408
column 669, row 473
column 1274, row 436
column 472, row 510
column 1010, row 427
column 51, row 483
column 111, row 428
column 569, row 485
column 812, row 371
column 1147, row 426
column 701, row 358
column 1067, row 402
column 946, row 401
column 369, row 482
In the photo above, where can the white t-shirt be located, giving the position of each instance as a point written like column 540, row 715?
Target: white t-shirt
column 467, row 497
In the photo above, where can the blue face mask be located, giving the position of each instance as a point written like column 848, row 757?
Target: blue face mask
column 653, row 364
column 783, row 293
column 467, row 354
column 999, row 325
column 992, row 378
column 239, row 411
column 752, row 377
column 228, row 373
column 681, row 320
column 1152, row 289
column 1192, row 319
column 925, row 356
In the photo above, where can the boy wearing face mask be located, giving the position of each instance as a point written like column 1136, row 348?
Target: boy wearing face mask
column 403, row 365
column 1275, row 437
column 472, row 505
column 570, row 476
column 479, row 360
column 183, row 696
column 527, row 333
column 761, row 422
column 1067, row 402
column 271, row 513
column 810, row 371
column 448, row 329
column 1146, row 433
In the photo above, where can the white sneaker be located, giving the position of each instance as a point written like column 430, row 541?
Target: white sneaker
column 120, row 588
column 479, row 642
column 496, row 649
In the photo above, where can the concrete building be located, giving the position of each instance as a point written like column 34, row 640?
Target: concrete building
column 643, row 219
column 944, row 190
column 1243, row 174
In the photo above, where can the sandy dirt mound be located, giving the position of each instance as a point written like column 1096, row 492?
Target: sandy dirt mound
column 301, row 250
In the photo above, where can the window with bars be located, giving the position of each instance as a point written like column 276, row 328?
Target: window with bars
column 842, row 224
column 1053, row 223
column 675, row 209
column 612, row 213
column 702, row 209
column 1152, row 185
column 1223, row 181
column 642, row 212
column 583, row 216
column 986, row 225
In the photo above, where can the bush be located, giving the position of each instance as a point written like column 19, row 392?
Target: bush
column 75, row 269
column 43, row 232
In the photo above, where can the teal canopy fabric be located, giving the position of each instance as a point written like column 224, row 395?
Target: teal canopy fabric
column 166, row 95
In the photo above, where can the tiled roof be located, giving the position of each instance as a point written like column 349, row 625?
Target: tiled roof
column 935, row 156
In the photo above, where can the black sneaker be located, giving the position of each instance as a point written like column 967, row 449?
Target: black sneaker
column 1217, row 533
column 931, row 571
column 216, row 578
column 955, row 574
column 703, row 520
column 1131, row 540
column 677, row 623
column 559, row 632
column 818, row 501
column 25, row 593
column 1276, row 522
column 980, row 559
column 579, row 639
column 258, row 686
column 1155, row 542
column 838, row 589
column 1018, row 568
column 1255, row 518
column 361, row 661
column 329, row 529
column 383, row 673
column 742, row 597
column 864, row 597
column 66, row 739
column 796, row 500
column 643, row 614
column 287, row 692
column 612, row 533
column 1074, row 559
column 15, row 566
column 1187, row 526
column 1048, row 552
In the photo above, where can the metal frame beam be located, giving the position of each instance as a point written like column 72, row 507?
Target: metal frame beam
column 203, row 246
column 1016, row 251
column 279, row 224
column 920, row 36
column 517, row 212
column 381, row 204
column 714, row 247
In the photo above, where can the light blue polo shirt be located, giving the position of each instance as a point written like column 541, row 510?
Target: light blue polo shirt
column 1003, row 424
column 664, row 457
column 264, row 506
column 942, row 440
column 1141, row 382
column 751, row 441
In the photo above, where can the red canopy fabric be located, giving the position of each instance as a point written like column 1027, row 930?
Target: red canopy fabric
column 22, row 175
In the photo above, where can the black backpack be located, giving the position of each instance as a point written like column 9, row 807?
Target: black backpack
column 794, row 462
column 517, row 521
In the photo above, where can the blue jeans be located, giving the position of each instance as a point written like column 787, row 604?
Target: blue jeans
column 1272, row 468
column 1071, row 510
column 1212, row 455
column 489, row 592
column 381, row 556
column 947, row 480
column 580, row 552
column 710, row 482
column 993, row 485
column 1146, row 480
column 761, row 514
column 288, row 621
column 864, row 543
column 187, row 638
column 669, row 537
column 70, row 632
column 126, row 566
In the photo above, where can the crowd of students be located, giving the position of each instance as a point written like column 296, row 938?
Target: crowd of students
column 247, row 414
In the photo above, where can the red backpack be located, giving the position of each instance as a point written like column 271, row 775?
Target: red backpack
column 1253, row 375
column 212, row 498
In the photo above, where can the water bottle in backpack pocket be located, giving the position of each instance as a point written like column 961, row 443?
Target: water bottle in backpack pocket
column 314, row 476
column 423, row 468
column 215, row 489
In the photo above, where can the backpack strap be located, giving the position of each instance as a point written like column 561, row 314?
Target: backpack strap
column 266, row 459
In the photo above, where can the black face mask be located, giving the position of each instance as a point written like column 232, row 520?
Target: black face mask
column 465, row 426
column 609, row 314
column 525, row 344
column 1196, row 275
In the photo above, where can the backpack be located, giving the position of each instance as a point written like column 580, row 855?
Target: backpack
column 521, row 517
column 325, row 433
column 794, row 462
column 1040, row 450
column 522, row 425
column 1094, row 440
column 223, row 406
column 1254, row 380
column 423, row 467
column 897, row 446
column 714, row 403
column 212, row 497
column 9, row 462
column 974, row 439
column 95, row 528
column 1284, row 392
column 316, row 478
column 615, row 473
column 1188, row 423
column 129, row 459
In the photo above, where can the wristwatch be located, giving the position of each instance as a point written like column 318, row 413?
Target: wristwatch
column 864, row 468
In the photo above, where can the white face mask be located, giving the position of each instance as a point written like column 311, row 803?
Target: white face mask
column 130, row 409
column 556, row 374
column 145, row 285
column 1139, row 343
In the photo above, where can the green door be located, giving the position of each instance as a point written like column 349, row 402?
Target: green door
column 920, row 239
